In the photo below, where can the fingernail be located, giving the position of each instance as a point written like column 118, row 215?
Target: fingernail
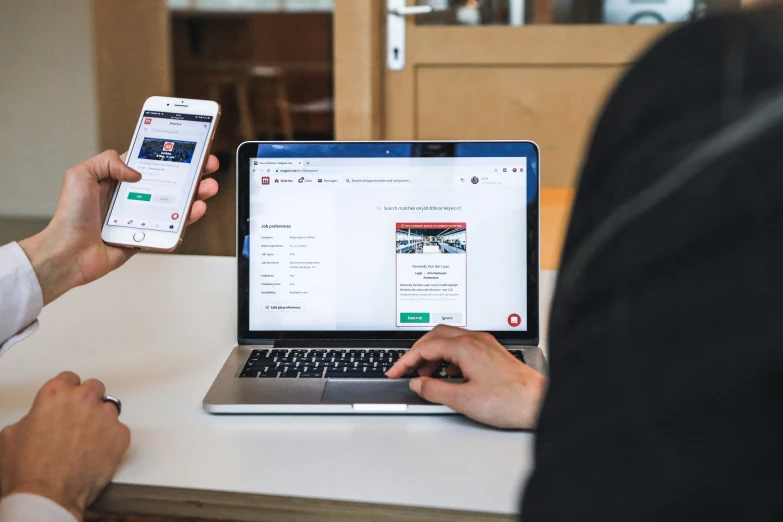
column 416, row 385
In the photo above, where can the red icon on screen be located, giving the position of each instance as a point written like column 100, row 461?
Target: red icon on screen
column 168, row 146
column 277, row 181
column 521, row 169
column 265, row 180
column 147, row 121
column 255, row 163
column 175, row 216
column 514, row 170
column 514, row 320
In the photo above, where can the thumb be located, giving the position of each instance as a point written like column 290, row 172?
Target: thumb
column 439, row 391
column 109, row 165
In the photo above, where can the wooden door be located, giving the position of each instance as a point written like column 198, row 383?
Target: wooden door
column 539, row 82
column 132, row 62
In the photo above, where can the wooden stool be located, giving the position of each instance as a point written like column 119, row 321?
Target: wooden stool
column 240, row 83
column 273, row 95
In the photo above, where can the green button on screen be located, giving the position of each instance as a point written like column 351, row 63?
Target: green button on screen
column 414, row 318
column 138, row 196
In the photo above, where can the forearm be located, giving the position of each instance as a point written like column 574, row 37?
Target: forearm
column 56, row 270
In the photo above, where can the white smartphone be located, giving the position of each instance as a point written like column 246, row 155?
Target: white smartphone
column 169, row 148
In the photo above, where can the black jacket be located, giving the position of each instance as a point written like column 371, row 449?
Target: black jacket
column 666, row 393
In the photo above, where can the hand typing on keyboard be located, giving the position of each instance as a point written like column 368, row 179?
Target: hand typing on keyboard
column 498, row 389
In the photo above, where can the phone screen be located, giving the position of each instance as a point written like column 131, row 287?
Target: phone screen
column 167, row 151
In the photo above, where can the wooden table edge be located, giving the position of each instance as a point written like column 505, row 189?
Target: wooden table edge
column 132, row 499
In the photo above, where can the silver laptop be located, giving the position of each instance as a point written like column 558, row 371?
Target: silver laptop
column 348, row 252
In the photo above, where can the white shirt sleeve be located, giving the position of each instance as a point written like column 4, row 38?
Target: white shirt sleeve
column 21, row 299
column 25, row 507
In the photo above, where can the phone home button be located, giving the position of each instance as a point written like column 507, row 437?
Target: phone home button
column 138, row 237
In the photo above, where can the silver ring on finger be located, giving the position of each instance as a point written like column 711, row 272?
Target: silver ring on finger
column 115, row 401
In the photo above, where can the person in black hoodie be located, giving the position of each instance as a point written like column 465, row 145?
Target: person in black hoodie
column 665, row 393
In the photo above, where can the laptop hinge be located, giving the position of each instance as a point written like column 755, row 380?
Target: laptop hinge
column 350, row 343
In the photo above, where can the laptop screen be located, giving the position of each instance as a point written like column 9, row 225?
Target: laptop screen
column 380, row 237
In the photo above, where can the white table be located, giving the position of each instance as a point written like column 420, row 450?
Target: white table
column 157, row 332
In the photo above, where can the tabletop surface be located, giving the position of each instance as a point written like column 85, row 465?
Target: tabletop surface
column 158, row 331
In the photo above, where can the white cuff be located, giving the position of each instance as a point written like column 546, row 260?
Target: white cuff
column 21, row 299
column 26, row 507
column 27, row 332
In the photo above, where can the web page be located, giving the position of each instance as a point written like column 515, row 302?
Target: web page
column 167, row 152
column 387, row 243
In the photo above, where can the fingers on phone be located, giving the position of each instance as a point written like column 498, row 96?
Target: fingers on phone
column 207, row 188
column 212, row 164
column 197, row 211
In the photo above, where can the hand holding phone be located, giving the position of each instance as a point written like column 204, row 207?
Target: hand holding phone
column 170, row 148
column 69, row 252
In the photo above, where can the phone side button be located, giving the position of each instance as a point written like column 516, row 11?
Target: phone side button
column 138, row 237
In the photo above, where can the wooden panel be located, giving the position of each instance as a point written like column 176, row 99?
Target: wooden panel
column 243, row 507
column 132, row 58
column 555, row 213
column 400, row 105
column 553, row 106
column 357, row 69
column 295, row 41
column 542, row 45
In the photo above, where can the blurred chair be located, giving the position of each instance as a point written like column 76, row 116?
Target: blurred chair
column 217, row 84
column 243, row 86
column 271, row 91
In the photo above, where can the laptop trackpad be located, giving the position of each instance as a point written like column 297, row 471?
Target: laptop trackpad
column 370, row 392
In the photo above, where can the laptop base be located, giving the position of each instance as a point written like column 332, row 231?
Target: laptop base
column 232, row 394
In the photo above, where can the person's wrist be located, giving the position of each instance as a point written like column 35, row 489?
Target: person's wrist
column 531, row 398
column 75, row 506
column 54, row 265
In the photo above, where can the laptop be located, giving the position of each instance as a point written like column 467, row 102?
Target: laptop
column 349, row 252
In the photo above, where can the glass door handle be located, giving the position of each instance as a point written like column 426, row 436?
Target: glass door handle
column 413, row 10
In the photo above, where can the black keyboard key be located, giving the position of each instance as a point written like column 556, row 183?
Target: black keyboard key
column 289, row 375
column 248, row 373
column 268, row 374
column 518, row 355
column 374, row 375
column 311, row 375
column 263, row 362
column 348, row 374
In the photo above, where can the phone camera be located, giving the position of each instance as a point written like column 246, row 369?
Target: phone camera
column 171, row 227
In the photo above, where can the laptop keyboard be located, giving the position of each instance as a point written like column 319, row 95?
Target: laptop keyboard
column 335, row 364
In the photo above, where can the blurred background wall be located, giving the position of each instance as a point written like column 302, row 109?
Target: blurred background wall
column 74, row 75
column 48, row 105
